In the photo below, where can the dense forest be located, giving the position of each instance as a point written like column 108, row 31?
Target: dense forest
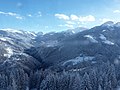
column 102, row 77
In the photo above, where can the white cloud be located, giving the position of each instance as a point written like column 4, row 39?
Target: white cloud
column 29, row 15
column 17, row 16
column 70, row 22
column 39, row 14
column 12, row 14
column 2, row 12
column 103, row 20
column 62, row 16
column 69, row 26
column 73, row 20
column 88, row 18
column 116, row 11
column 74, row 17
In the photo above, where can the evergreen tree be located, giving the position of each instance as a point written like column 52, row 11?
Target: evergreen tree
column 112, row 76
column 76, row 82
column 99, row 87
column 93, row 79
column 49, row 83
column 86, row 84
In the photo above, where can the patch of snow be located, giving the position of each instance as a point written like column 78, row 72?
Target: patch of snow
column 78, row 60
column 9, row 52
column 32, row 33
column 108, row 42
column 105, row 40
column 92, row 39
column 3, row 39
column 102, row 37
column 103, row 30
column 88, row 36
column 24, row 54
column 73, row 31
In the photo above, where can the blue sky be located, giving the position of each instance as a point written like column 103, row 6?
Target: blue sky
column 57, row 15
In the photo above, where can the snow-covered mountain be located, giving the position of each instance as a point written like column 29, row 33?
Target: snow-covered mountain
column 16, row 39
column 14, row 42
column 12, row 45
column 77, row 30
column 53, row 38
column 101, row 42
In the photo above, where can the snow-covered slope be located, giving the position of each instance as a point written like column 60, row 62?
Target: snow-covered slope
column 92, row 39
column 17, row 38
column 12, row 45
column 101, row 42
column 15, row 41
column 78, row 60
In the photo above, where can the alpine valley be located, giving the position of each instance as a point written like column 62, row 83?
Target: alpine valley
column 75, row 59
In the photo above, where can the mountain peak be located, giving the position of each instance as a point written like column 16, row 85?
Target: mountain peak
column 78, row 29
column 12, row 30
column 108, row 23
column 117, row 24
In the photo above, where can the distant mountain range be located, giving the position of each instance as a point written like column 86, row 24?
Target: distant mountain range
column 85, row 59
column 14, row 42
column 95, row 45
column 64, row 49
